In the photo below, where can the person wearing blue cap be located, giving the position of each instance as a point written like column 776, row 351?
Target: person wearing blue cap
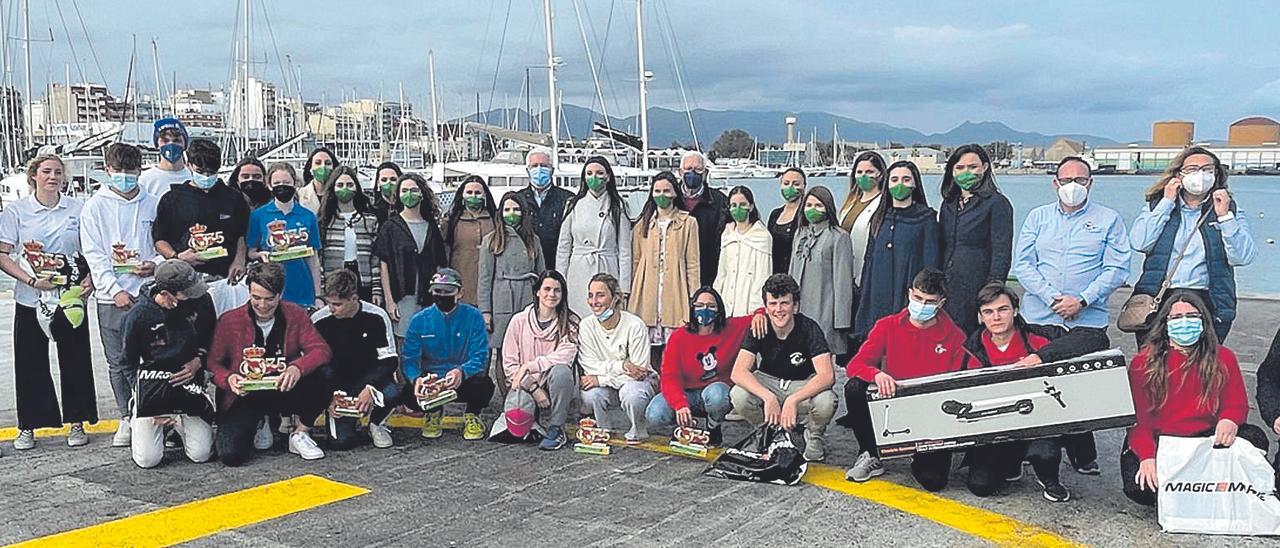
column 171, row 138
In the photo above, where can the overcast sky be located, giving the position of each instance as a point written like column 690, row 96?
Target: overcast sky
column 1103, row 67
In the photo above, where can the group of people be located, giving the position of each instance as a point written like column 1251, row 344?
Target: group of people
column 699, row 309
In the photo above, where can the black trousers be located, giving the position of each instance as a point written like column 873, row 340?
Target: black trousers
column 238, row 422
column 344, row 434
column 989, row 467
column 475, row 391
column 1129, row 463
column 33, row 381
column 859, row 415
column 1081, row 448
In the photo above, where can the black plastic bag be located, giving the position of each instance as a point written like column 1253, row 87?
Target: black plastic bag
column 768, row 455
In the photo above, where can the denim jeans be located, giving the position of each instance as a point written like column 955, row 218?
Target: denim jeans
column 711, row 401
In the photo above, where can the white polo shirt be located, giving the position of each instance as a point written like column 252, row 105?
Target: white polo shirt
column 58, row 228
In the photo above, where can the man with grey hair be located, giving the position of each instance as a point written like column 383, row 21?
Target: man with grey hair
column 709, row 206
column 545, row 201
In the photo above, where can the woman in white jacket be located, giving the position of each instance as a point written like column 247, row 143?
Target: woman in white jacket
column 746, row 255
column 613, row 350
column 595, row 235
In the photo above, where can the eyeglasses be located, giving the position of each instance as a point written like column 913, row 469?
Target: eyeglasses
column 1188, row 170
column 1083, row 181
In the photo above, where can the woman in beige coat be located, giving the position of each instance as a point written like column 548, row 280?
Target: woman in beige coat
column 665, row 267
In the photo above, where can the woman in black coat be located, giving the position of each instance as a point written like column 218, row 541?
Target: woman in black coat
column 977, row 232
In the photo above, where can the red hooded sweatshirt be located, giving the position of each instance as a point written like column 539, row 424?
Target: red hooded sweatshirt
column 904, row 351
column 1182, row 413
column 692, row 361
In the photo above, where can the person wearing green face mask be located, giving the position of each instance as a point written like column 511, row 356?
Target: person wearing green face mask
column 784, row 220
column 667, row 262
column 595, row 235
column 746, row 255
column 320, row 165
column 386, row 186
column 409, row 249
column 902, row 240
column 866, row 189
column 510, row 260
column 822, row 262
column 472, row 216
column 349, row 226
column 977, row 232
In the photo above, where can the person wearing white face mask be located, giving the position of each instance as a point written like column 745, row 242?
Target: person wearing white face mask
column 546, row 202
column 115, row 237
column 1195, row 187
column 1070, row 257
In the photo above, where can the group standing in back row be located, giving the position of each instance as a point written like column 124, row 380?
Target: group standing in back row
column 549, row 295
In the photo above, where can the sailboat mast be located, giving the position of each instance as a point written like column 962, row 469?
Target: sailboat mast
column 155, row 67
column 26, row 54
column 435, row 115
column 244, row 83
column 551, row 86
column 8, row 120
column 644, row 87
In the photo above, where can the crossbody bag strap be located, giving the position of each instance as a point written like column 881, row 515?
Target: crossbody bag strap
column 1168, row 276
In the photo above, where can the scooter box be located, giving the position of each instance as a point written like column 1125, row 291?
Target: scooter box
column 991, row 405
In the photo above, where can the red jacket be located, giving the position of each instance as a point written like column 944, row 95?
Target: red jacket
column 1015, row 351
column 905, row 351
column 1182, row 413
column 693, row 361
column 303, row 345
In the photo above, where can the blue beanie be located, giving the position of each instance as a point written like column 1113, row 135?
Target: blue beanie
column 170, row 123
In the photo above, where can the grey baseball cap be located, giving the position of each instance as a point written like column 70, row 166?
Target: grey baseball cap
column 176, row 275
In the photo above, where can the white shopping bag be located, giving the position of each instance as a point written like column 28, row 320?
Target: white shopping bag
column 1229, row 490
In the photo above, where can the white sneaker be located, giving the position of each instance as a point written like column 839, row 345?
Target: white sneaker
column 26, row 440
column 865, row 468
column 302, row 445
column 76, row 437
column 263, row 439
column 381, row 435
column 734, row 417
column 124, row 434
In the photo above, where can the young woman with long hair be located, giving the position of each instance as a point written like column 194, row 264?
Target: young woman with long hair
column 977, row 232
column 348, row 227
column 472, row 216
column 665, row 262
column 822, row 263
column 746, row 255
column 596, row 234
column 510, row 260
column 538, row 353
column 409, row 249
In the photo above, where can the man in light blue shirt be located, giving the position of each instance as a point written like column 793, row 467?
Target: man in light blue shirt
column 1194, row 188
column 1070, row 257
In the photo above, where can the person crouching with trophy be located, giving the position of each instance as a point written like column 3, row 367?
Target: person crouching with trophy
column 268, row 359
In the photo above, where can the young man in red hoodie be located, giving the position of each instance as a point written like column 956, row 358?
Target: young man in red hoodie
column 917, row 342
column 273, row 330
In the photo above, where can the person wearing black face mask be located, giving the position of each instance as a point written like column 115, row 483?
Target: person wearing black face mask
column 249, row 177
column 709, row 206
column 281, row 224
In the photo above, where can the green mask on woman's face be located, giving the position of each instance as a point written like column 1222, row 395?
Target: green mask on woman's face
column 814, row 215
column 966, row 180
column 790, row 193
column 388, row 190
column 411, row 199
column 595, row 183
column 865, row 182
column 344, row 194
column 473, row 203
column 321, row 173
column 512, row 219
column 900, row 191
column 739, row 213
column 662, row 201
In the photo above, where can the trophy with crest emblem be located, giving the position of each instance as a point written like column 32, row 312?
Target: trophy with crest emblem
column 345, row 406
column 691, row 441
column 124, row 261
column 206, row 244
column 287, row 245
column 592, row 439
column 259, row 371
column 46, row 266
column 431, row 392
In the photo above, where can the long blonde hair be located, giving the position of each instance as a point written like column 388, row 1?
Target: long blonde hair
column 1174, row 169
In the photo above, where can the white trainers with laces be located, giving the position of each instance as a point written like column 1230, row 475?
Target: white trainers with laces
column 865, row 468
column 381, row 435
column 124, row 434
column 76, row 437
column 302, row 445
column 26, row 440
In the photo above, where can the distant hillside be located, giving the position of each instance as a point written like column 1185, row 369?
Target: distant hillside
column 667, row 125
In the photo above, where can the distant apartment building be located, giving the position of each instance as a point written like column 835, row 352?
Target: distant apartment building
column 199, row 107
column 84, row 103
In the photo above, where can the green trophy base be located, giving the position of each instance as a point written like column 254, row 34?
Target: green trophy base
column 349, row 412
column 291, row 254
column 690, row 449
column 125, row 268
column 258, row 385
column 212, row 253
column 439, row 401
column 591, row 448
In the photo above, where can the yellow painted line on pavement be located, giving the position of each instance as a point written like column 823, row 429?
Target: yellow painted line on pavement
column 187, row 522
column 102, row 427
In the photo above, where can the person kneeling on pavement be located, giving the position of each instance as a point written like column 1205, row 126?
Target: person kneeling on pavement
column 916, row 342
column 613, row 350
column 784, row 377
column 448, row 340
column 538, row 350
column 1184, row 384
column 364, row 360
column 267, row 330
column 165, row 339
column 698, row 364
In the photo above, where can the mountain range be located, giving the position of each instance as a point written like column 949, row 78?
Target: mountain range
column 667, row 126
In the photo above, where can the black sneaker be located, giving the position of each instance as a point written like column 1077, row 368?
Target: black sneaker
column 1089, row 469
column 717, row 437
column 1055, row 492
